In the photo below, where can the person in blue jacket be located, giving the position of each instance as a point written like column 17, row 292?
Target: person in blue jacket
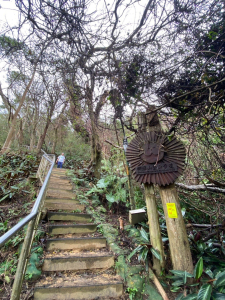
column 60, row 160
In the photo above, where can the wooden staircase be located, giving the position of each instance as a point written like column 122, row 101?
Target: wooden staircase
column 77, row 264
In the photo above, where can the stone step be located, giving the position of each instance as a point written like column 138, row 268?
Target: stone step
column 59, row 177
column 53, row 193
column 53, row 204
column 61, row 187
column 61, row 200
column 59, row 216
column 80, row 289
column 85, row 243
column 77, row 262
column 67, row 229
column 59, row 180
column 59, row 171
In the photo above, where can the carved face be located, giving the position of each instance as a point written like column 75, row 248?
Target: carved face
column 152, row 153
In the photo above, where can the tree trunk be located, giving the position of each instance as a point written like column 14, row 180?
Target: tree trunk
column 8, row 140
column 43, row 135
column 96, row 153
column 54, row 141
column 21, row 136
column 179, row 246
column 32, row 139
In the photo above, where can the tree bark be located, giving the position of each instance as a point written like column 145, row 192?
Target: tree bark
column 96, row 153
column 54, row 140
column 42, row 137
column 201, row 187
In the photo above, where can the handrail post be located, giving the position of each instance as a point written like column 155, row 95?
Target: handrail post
column 21, row 268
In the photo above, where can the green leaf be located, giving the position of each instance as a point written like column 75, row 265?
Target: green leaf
column 144, row 234
column 143, row 254
column 220, row 280
column 102, row 184
column 218, row 296
column 190, row 297
column 135, row 251
column 209, row 273
column 205, row 292
column 4, row 197
column 198, row 269
column 181, row 273
column 7, row 279
column 178, row 282
column 156, row 253
column 110, row 198
column 180, row 297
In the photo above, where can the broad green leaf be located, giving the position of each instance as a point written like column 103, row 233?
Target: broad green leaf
column 180, row 297
column 156, row 253
column 135, row 251
column 220, row 280
column 190, row 297
column 181, row 273
column 198, row 269
column 144, row 234
column 110, row 198
column 209, row 273
column 178, row 282
column 218, row 296
column 102, row 184
column 143, row 254
column 94, row 190
column 205, row 292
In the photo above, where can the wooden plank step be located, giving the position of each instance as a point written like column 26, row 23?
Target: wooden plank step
column 85, row 261
column 61, row 200
column 53, row 193
column 67, row 229
column 61, row 187
column 59, row 216
column 77, row 289
column 61, row 170
column 60, row 182
column 54, row 204
column 85, row 243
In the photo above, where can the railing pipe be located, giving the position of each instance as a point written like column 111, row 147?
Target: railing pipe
column 33, row 219
column 23, row 222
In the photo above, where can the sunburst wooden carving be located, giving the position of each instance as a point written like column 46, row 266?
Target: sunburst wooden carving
column 155, row 159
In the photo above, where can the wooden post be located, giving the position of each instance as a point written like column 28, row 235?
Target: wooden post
column 152, row 212
column 178, row 240
column 154, row 228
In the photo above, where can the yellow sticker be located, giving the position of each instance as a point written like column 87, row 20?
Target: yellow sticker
column 172, row 211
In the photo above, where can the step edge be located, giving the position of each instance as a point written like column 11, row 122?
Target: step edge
column 77, row 239
column 79, row 257
column 74, row 286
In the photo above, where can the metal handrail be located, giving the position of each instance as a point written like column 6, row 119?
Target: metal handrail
column 10, row 233
column 33, row 220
